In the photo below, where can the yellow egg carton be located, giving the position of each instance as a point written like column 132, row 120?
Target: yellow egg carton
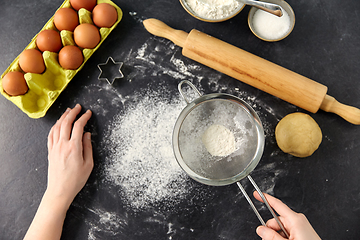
column 46, row 87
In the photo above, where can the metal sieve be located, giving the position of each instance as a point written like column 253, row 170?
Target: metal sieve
column 193, row 157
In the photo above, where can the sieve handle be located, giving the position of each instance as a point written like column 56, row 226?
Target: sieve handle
column 191, row 85
column 251, row 203
column 266, row 203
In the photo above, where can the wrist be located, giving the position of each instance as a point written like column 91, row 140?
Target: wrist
column 56, row 204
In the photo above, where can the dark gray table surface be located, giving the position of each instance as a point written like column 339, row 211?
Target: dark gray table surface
column 323, row 46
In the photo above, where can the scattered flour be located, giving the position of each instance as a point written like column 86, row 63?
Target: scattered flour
column 105, row 222
column 219, row 140
column 141, row 159
column 148, row 62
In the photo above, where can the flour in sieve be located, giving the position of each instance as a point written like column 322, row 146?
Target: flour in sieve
column 219, row 140
column 141, row 159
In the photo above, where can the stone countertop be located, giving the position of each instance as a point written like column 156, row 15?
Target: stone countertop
column 136, row 190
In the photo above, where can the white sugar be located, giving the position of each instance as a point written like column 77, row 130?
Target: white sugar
column 269, row 26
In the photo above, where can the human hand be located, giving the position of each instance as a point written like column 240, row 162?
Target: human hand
column 70, row 164
column 70, row 156
column 296, row 224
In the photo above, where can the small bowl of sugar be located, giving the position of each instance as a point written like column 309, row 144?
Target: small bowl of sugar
column 269, row 27
column 212, row 10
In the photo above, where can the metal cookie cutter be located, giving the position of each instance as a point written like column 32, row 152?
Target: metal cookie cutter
column 107, row 70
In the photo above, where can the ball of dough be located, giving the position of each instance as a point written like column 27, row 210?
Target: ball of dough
column 298, row 134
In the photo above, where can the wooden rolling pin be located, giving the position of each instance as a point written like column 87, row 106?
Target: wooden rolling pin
column 255, row 71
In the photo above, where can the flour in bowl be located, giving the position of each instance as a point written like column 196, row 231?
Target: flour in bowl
column 214, row 9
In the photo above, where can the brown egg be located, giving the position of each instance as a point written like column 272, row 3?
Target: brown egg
column 70, row 57
column 87, row 4
column 49, row 40
column 104, row 15
column 31, row 60
column 86, row 35
column 66, row 19
column 14, row 83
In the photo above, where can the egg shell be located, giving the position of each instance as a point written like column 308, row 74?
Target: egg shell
column 87, row 4
column 14, row 83
column 86, row 35
column 70, row 57
column 66, row 19
column 45, row 88
column 49, row 40
column 31, row 60
column 104, row 15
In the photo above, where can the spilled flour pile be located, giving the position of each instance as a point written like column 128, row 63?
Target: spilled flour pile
column 137, row 157
column 141, row 159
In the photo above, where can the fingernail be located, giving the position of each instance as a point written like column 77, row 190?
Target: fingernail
column 67, row 110
column 77, row 105
column 260, row 231
column 88, row 135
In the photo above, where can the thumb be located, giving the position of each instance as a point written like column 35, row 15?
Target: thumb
column 268, row 234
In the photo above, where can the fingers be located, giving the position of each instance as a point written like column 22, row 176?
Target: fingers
column 279, row 206
column 87, row 148
column 78, row 129
column 66, row 124
column 54, row 133
column 273, row 224
column 268, row 234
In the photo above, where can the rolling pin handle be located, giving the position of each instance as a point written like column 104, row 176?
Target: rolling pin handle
column 160, row 29
column 350, row 114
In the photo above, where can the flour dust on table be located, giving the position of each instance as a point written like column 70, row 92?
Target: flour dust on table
column 109, row 223
column 139, row 166
column 141, row 159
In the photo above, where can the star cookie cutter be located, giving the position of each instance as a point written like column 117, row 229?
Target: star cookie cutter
column 107, row 70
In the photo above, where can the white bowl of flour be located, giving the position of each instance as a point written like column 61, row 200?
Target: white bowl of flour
column 212, row 10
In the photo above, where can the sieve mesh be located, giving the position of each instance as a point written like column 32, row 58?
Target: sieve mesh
column 230, row 114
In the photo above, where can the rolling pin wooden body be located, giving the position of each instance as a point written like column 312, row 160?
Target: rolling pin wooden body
column 253, row 70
